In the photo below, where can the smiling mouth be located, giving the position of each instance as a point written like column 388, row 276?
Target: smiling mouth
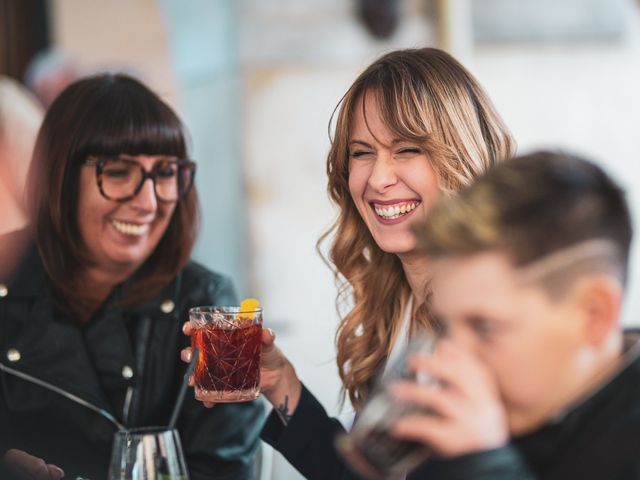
column 391, row 212
column 130, row 228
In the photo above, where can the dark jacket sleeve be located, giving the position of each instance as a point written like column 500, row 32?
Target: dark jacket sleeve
column 307, row 442
column 503, row 463
column 220, row 443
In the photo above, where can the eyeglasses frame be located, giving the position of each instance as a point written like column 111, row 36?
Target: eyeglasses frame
column 99, row 161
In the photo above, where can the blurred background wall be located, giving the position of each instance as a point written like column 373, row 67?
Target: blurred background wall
column 256, row 82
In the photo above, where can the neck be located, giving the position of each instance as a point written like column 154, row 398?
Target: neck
column 416, row 271
column 100, row 283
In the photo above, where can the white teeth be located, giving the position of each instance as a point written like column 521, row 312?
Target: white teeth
column 130, row 228
column 395, row 211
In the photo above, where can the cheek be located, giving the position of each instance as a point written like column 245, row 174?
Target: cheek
column 354, row 181
column 90, row 208
column 357, row 186
column 165, row 214
column 529, row 366
column 427, row 183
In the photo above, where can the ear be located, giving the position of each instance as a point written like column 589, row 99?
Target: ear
column 599, row 299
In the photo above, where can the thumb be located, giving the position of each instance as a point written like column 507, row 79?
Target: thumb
column 55, row 472
column 268, row 337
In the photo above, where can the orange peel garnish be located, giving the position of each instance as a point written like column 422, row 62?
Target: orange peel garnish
column 248, row 307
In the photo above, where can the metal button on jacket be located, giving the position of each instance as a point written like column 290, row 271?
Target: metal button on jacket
column 127, row 372
column 167, row 306
column 13, row 355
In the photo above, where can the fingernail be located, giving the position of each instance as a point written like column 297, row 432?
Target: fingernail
column 59, row 470
column 188, row 355
column 184, row 328
column 271, row 332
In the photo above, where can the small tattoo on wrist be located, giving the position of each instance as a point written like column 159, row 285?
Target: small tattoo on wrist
column 283, row 411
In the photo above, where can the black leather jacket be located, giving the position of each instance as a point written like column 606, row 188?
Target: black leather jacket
column 125, row 363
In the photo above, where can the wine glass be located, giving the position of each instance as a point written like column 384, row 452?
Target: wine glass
column 150, row 453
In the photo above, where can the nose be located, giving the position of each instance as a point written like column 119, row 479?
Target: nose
column 145, row 200
column 383, row 174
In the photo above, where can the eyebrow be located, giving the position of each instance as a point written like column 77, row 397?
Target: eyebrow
column 160, row 158
column 395, row 141
column 360, row 142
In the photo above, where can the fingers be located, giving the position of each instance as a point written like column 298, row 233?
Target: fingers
column 55, row 472
column 466, row 410
column 441, row 365
column 428, row 430
column 187, row 328
column 456, row 370
column 29, row 467
column 431, row 398
column 268, row 337
column 185, row 355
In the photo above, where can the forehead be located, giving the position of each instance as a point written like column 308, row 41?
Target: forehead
column 485, row 280
column 367, row 122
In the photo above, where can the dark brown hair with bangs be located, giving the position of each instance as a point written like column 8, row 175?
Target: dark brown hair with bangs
column 107, row 114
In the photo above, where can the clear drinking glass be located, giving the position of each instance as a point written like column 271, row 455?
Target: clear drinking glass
column 151, row 453
column 369, row 448
column 229, row 343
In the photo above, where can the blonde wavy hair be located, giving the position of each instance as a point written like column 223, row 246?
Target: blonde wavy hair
column 425, row 96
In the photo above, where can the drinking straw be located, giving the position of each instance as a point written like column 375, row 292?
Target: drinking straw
column 183, row 388
column 59, row 391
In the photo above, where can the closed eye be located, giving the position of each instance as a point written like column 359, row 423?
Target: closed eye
column 117, row 172
column 360, row 153
column 410, row 151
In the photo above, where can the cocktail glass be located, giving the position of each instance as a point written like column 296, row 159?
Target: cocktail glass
column 229, row 343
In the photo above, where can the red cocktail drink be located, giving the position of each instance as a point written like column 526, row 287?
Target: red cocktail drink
column 229, row 344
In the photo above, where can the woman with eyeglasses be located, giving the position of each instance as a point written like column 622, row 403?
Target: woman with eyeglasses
column 90, row 324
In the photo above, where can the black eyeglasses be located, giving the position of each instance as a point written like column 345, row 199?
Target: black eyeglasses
column 121, row 179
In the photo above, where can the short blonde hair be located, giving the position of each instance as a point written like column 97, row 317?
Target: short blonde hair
column 537, row 209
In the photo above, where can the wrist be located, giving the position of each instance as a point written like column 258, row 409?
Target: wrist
column 285, row 394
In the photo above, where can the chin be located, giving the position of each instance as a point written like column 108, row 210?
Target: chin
column 131, row 259
column 398, row 248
